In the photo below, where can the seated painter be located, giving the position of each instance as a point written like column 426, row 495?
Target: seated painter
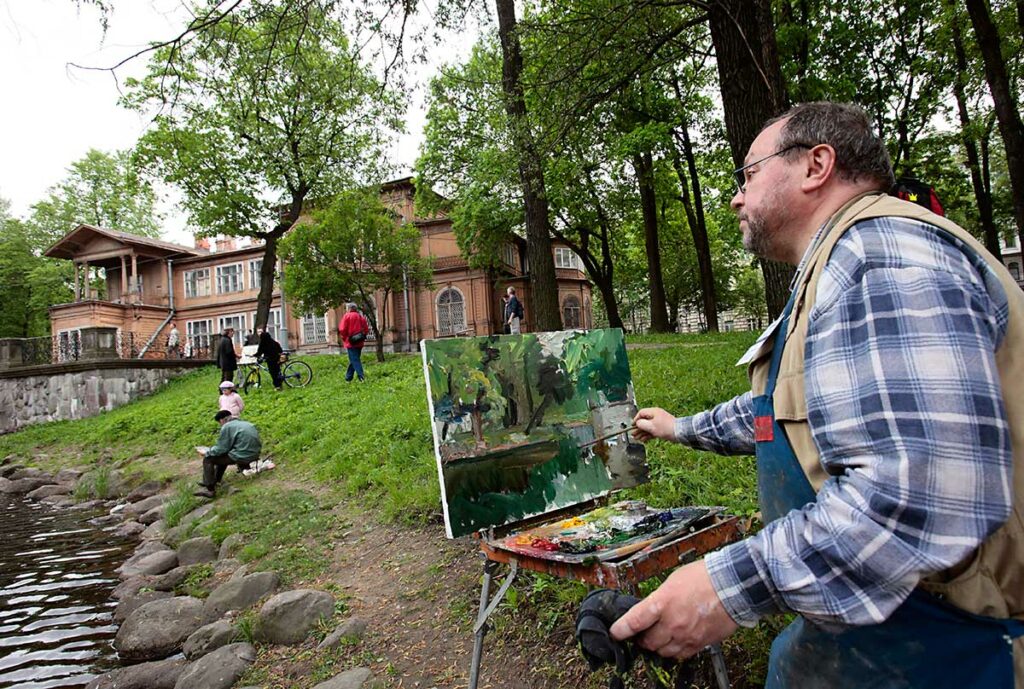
column 238, row 444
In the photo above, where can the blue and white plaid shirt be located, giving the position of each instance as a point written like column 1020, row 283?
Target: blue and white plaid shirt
column 905, row 408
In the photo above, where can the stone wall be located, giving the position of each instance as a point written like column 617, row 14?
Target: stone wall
column 78, row 390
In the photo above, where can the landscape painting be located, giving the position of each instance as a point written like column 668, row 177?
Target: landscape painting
column 528, row 424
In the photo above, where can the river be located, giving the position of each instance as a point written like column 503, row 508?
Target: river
column 56, row 575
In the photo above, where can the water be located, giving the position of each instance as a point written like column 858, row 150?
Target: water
column 56, row 575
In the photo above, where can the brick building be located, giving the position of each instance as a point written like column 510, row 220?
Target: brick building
column 149, row 282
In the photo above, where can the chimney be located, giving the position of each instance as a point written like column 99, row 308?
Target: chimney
column 202, row 243
column 225, row 244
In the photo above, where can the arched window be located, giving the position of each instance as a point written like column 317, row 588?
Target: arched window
column 1014, row 270
column 571, row 312
column 451, row 312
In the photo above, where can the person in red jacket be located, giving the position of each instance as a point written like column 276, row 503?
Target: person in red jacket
column 352, row 331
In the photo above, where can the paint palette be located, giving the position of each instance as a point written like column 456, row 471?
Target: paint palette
column 606, row 533
column 525, row 425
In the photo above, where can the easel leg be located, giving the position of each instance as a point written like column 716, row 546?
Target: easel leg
column 718, row 663
column 490, row 566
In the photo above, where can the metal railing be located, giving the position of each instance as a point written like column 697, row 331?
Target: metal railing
column 67, row 347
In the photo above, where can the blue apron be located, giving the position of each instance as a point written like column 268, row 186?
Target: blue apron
column 925, row 643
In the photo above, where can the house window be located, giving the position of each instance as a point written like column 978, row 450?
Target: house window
column 229, row 278
column 508, row 254
column 273, row 321
column 197, row 283
column 255, row 266
column 451, row 312
column 314, row 328
column 571, row 313
column 1011, row 241
column 236, row 321
column 1014, row 270
column 197, row 336
column 566, row 258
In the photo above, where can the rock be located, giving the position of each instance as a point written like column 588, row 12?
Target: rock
column 153, row 515
column 155, row 531
column 69, row 475
column 208, row 638
column 351, row 630
column 226, row 566
column 22, row 485
column 143, row 491
column 219, row 669
column 142, row 506
column 158, row 628
column 161, row 674
column 171, row 580
column 154, row 563
column 242, row 571
column 5, row 472
column 131, row 587
column 88, row 505
column 197, row 550
column 196, row 514
column 289, row 617
column 129, row 604
column 240, row 593
column 356, row 678
column 28, row 472
column 49, row 490
column 148, row 547
column 230, row 545
column 129, row 529
column 59, row 500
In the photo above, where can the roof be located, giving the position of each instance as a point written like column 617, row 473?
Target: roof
column 69, row 245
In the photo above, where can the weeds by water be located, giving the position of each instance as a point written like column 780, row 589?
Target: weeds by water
column 95, row 485
column 180, row 504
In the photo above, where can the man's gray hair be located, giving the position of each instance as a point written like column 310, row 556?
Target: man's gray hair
column 860, row 154
column 351, row 306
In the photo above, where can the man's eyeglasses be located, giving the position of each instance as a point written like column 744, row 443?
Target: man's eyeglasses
column 740, row 174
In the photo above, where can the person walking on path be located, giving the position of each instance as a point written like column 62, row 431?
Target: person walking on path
column 238, row 443
column 174, row 342
column 352, row 331
column 227, row 359
column 513, row 312
column 887, row 419
column 270, row 351
column 230, row 400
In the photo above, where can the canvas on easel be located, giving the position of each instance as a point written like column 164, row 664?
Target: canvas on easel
column 528, row 424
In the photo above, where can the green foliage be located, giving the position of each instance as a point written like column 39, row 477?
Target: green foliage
column 180, row 504
column 96, row 484
column 194, row 584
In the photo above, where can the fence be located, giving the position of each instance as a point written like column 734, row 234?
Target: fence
column 68, row 347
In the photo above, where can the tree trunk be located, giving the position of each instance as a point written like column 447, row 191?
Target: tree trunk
column 543, row 286
column 266, row 294
column 1010, row 126
column 752, row 93
column 644, row 166
column 984, row 199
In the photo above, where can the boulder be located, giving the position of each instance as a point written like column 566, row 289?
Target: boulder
column 129, row 529
column 289, row 617
column 226, row 566
column 160, row 674
column 142, row 506
column 208, row 638
column 50, row 490
column 69, row 475
column 155, row 531
column 131, row 587
column 5, row 472
column 351, row 630
column 238, row 594
column 130, row 604
column 230, row 545
column 143, row 491
column 88, row 505
column 148, row 547
column 154, row 563
column 153, row 515
column 197, row 550
column 59, row 500
column 29, row 472
column 356, row 678
column 22, row 485
column 171, row 580
column 219, row 669
column 242, row 571
column 157, row 629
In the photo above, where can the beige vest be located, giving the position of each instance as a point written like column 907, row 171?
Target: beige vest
column 990, row 581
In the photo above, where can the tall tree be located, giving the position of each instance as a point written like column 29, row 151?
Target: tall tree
column 543, row 287
column 1007, row 113
column 262, row 113
column 100, row 189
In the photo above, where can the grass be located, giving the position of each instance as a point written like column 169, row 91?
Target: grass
column 181, row 503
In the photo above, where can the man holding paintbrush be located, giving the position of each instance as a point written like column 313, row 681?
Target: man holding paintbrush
column 888, row 423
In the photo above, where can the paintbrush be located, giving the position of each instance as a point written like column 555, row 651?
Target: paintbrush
column 595, row 441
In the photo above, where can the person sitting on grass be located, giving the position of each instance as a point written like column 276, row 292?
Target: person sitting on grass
column 238, row 443
column 231, row 401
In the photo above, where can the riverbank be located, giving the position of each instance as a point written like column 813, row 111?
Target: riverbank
column 353, row 509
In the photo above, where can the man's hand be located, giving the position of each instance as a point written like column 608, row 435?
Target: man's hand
column 654, row 423
column 680, row 618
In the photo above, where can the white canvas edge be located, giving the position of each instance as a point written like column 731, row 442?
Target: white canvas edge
column 437, row 442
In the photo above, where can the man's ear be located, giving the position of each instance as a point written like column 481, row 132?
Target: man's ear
column 820, row 167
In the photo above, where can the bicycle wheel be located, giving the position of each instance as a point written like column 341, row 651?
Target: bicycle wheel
column 252, row 379
column 297, row 374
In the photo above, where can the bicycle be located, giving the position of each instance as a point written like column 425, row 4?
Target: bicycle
column 295, row 374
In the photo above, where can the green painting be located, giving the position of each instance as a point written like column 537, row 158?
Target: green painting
column 528, row 424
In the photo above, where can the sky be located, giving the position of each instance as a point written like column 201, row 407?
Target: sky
column 54, row 113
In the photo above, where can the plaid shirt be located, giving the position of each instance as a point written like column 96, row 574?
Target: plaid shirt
column 905, row 408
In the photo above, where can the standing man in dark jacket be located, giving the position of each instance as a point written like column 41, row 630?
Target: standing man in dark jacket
column 513, row 312
column 352, row 331
column 227, row 360
column 270, row 351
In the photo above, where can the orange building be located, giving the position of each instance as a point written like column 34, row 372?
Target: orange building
column 149, row 283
